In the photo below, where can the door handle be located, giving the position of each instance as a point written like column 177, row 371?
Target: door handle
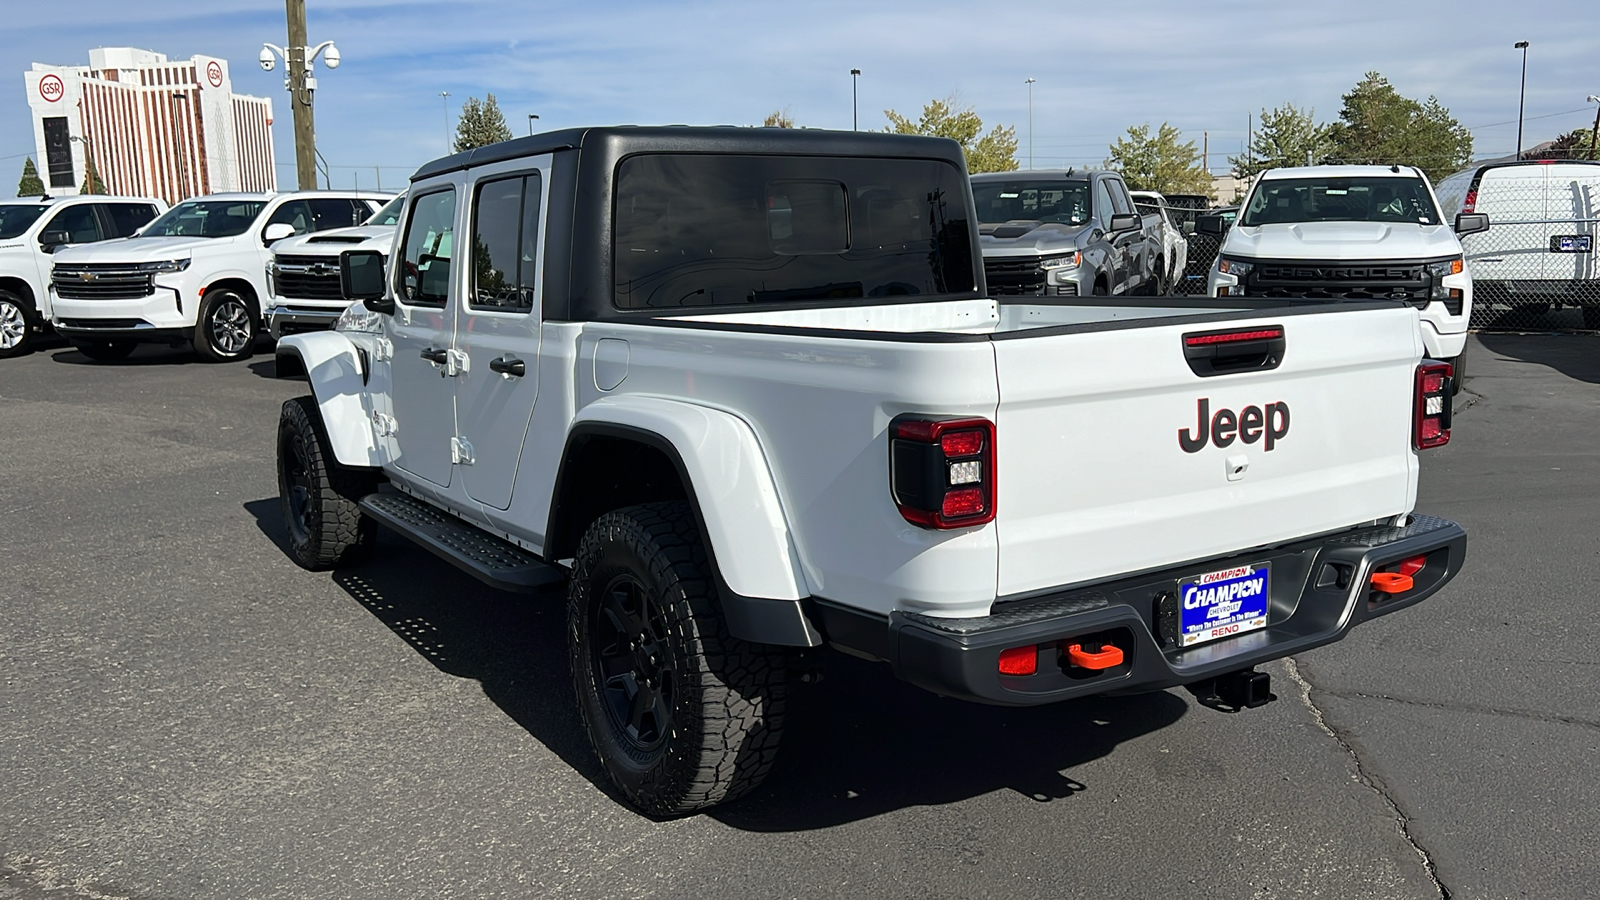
column 436, row 356
column 514, row 368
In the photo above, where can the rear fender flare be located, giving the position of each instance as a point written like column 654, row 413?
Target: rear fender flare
column 338, row 381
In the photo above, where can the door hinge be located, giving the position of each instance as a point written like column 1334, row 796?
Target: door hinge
column 455, row 362
column 460, row 451
column 384, row 425
column 384, row 350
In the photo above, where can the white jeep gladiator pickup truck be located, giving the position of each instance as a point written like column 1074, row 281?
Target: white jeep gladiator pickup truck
column 743, row 391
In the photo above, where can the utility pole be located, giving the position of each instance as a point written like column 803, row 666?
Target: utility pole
column 305, row 133
column 1522, row 92
column 1029, row 83
column 855, row 117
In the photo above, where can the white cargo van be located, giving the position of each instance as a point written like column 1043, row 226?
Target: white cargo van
column 1540, row 246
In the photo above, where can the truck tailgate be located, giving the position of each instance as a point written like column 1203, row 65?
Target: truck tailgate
column 1094, row 481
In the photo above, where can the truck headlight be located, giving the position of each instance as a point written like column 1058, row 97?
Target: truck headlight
column 1064, row 261
column 357, row 318
column 165, row 265
column 1238, row 268
column 1441, row 270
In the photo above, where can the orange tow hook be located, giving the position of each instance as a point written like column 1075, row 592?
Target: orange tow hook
column 1391, row 582
column 1106, row 657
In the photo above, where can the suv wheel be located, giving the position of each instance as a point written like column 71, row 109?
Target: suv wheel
column 17, row 325
column 318, row 496
column 226, row 329
column 105, row 351
column 682, row 715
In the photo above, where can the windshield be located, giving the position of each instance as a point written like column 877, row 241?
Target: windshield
column 206, row 218
column 1042, row 201
column 15, row 218
column 1376, row 199
column 390, row 214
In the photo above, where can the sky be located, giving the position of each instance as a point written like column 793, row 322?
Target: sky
column 1098, row 68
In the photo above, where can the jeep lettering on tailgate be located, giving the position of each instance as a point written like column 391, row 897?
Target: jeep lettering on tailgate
column 1248, row 425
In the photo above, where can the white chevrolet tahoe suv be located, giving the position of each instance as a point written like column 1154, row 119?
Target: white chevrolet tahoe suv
column 744, row 392
column 195, row 275
column 34, row 228
column 1351, row 233
column 303, row 276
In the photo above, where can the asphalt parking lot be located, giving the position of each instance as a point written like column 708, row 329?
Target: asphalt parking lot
column 189, row 715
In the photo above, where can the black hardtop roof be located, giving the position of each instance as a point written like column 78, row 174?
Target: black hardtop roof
column 1073, row 174
column 621, row 140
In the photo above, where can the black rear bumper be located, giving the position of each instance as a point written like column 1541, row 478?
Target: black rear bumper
column 1321, row 588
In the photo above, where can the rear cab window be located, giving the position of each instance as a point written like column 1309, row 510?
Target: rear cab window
column 697, row 230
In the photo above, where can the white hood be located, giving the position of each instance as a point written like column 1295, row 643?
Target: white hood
column 1342, row 241
column 142, row 249
column 336, row 240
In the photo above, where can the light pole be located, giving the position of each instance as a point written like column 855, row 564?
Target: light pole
column 1522, row 95
column 1594, row 136
column 531, row 117
column 1029, row 83
column 88, row 154
column 177, row 136
column 855, row 121
column 448, row 145
column 301, row 85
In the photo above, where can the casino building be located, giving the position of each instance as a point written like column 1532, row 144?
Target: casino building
column 153, row 127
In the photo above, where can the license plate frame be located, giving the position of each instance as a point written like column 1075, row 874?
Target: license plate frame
column 1223, row 603
column 1571, row 243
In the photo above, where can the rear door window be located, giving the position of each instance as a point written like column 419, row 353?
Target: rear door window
column 424, row 271
column 126, row 218
column 505, row 249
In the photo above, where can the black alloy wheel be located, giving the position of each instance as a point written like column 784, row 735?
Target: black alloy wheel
column 633, row 665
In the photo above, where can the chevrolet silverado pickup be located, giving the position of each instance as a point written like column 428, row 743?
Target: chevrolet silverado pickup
column 746, row 395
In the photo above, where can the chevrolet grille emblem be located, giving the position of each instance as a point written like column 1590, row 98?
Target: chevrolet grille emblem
column 88, row 276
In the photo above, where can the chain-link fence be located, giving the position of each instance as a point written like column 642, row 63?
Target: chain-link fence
column 1202, row 253
column 1535, row 269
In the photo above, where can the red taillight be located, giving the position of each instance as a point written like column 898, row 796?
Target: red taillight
column 1470, row 204
column 1019, row 660
column 941, row 471
column 1432, row 422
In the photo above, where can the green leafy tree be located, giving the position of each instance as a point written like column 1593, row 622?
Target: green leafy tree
column 1289, row 136
column 1574, row 144
column 31, row 184
column 91, row 179
column 992, row 152
column 778, row 118
column 1159, row 162
column 481, row 124
column 1378, row 126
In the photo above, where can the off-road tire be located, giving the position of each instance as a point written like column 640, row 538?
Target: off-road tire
column 716, row 709
column 227, row 327
column 318, row 496
column 105, row 351
column 19, row 325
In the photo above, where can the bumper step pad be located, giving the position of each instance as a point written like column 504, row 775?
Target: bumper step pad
column 493, row 560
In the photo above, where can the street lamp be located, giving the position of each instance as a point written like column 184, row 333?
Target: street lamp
column 531, row 117
column 1522, row 96
column 1029, row 83
column 88, row 154
column 448, row 146
column 855, row 122
column 1594, row 136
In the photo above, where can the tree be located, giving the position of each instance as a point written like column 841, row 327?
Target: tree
column 1378, row 126
column 30, row 185
column 1289, row 136
column 1574, row 144
column 993, row 152
column 778, row 118
column 91, row 178
column 1160, row 163
column 481, row 124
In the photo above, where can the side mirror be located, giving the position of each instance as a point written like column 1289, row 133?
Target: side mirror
column 361, row 278
column 1211, row 225
column 1123, row 222
column 1472, row 223
column 51, row 241
column 277, row 231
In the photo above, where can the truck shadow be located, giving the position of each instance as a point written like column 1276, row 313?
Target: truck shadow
column 1576, row 356
column 859, row 744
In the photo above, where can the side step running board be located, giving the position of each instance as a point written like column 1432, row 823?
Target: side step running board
column 494, row 561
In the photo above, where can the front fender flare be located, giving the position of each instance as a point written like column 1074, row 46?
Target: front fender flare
column 338, row 381
column 736, row 500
